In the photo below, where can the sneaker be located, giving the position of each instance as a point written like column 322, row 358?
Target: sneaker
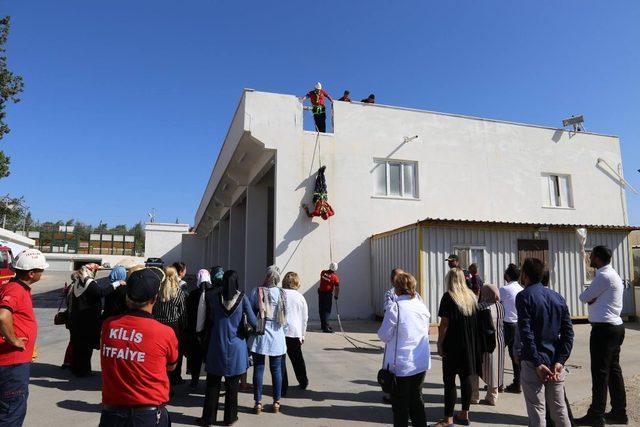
column 589, row 420
column 513, row 388
column 616, row 418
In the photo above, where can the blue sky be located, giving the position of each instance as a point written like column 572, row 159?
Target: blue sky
column 127, row 102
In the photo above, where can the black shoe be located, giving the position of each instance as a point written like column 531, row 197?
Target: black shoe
column 513, row 388
column 386, row 399
column 327, row 330
column 616, row 418
column 303, row 386
column 461, row 421
column 589, row 420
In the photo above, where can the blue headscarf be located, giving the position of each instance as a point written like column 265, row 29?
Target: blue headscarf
column 117, row 274
column 217, row 273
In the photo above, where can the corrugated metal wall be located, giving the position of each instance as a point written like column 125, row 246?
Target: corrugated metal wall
column 501, row 248
column 389, row 251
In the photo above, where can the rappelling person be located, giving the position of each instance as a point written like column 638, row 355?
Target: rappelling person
column 318, row 108
column 329, row 285
column 322, row 208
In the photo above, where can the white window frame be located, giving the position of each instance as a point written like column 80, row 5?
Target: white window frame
column 465, row 247
column 569, row 203
column 385, row 163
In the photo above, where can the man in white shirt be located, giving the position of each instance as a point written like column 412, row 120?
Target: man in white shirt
column 508, row 294
column 604, row 299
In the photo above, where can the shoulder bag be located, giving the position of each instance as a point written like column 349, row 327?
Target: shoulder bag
column 261, row 322
column 386, row 378
column 62, row 317
column 245, row 330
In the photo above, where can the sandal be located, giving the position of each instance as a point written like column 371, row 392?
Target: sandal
column 276, row 407
column 257, row 408
column 441, row 423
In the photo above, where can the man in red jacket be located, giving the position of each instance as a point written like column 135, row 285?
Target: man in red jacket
column 136, row 352
column 318, row 108
column 329, row 285
column 18, row 332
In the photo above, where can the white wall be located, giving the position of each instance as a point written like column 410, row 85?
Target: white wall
column 15, row 242
column 468, row 169
column 193, row 251
column 164, row 241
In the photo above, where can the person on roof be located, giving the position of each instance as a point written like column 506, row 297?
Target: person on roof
column 318, row 108
column 371, row 99
column 345, row 96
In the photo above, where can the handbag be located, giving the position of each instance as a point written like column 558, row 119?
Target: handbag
column 245, row 330
column 61, row 317
column 261, row 322
column 386, row 378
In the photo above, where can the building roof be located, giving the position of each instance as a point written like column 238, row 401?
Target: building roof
column 451, row 221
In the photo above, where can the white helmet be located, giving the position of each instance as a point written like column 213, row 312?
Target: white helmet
column 30, row 259
column 333, row 266
column 318, row 85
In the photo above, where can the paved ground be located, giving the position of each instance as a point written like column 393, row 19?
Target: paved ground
column 342, row 392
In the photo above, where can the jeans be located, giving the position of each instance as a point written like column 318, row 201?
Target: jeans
column 212, row 399
column 449, row 372
column 135, row 417
column 325, row 301
column 275, row 366
column 606, row 374
column 509, row 340
column 294, row 351
column 14, row 391
column 407, row 402
column 539, row 395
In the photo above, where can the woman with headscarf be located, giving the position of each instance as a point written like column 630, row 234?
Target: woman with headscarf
column 458, row 345
column 195, row 322
column 227, row 355
column 493, row 363
column 170, row 310
column 269, row 302
column 85, row 309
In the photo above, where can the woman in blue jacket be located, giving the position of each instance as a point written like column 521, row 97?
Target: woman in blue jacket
column 227, row 354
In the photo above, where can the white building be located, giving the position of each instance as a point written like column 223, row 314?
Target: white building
column 388, row 167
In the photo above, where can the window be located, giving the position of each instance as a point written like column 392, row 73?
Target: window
column 394, row 178
column 589, row 272
column 556, row 191
column 471, row 255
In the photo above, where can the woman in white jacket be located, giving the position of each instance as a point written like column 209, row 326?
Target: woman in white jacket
column 297, row 317
column 405, row 332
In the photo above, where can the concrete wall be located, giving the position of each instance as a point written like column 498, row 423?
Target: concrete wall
column 468, row 168
column 164, row 241
column 66, row 262
column 193, row 251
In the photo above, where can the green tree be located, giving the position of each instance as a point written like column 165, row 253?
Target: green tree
column 11, row 85
column 13, row 212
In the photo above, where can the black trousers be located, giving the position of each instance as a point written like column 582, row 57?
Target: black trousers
column 325, row 301
column 194, row 361
column 294, row 351
column 449, row 372
column 509, row 340
column 321, row 121
column 212, row 399
column 176, row 374
column 604, row 346
column 82, row 348
column 135, row 417
column 407, row 402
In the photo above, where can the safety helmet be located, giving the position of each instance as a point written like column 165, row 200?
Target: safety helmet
column 30, row 259
column 333, row 266
column 318, row 85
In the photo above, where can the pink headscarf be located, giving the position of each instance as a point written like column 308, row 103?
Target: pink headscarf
column 204, row 276
column 489, row 293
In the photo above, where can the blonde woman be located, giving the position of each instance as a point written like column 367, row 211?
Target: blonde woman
column 458, row 345
column 297, row 317
column 170, row 310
